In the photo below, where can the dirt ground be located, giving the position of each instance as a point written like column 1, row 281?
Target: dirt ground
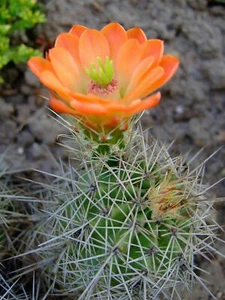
column 192, row 109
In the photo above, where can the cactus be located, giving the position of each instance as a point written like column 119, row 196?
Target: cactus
column 128, row 222
column 126, row 225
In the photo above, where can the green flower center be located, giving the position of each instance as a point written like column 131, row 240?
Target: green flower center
column 101, row 73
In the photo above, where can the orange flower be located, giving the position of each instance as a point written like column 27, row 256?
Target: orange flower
column 104, row 77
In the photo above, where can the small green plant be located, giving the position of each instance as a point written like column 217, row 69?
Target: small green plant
column 15, row 17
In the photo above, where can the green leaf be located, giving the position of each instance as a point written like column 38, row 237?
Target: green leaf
column 17, row 15
column 22, row 53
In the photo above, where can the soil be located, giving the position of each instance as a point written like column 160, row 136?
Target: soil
column 192, row 109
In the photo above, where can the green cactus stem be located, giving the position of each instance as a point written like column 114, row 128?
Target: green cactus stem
column 124, row 226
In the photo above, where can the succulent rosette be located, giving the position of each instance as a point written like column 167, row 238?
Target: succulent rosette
column 104, row 77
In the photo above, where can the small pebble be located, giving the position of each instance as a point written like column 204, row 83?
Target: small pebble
column 179, row 109
column 36, row 151
column 20, row 150
column 6, row 109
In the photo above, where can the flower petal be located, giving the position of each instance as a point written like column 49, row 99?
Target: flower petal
column 38, row 65
column 135, row 106
column 138, row 34
column 60, row 107
column 147, row 103
column 65, row 68
column 90, row 98
column 140, row 72
column 153, row 48
column 79, row 108
column 93, row 44
column 69, row 42
column 146, row 85
column 77, row 30
column 88, row 108
column 116, row 36
column 157, row 77
column 170, row 65
column 128, row 58
column 50, row 80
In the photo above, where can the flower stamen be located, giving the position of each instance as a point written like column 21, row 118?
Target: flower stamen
column 102, row 73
